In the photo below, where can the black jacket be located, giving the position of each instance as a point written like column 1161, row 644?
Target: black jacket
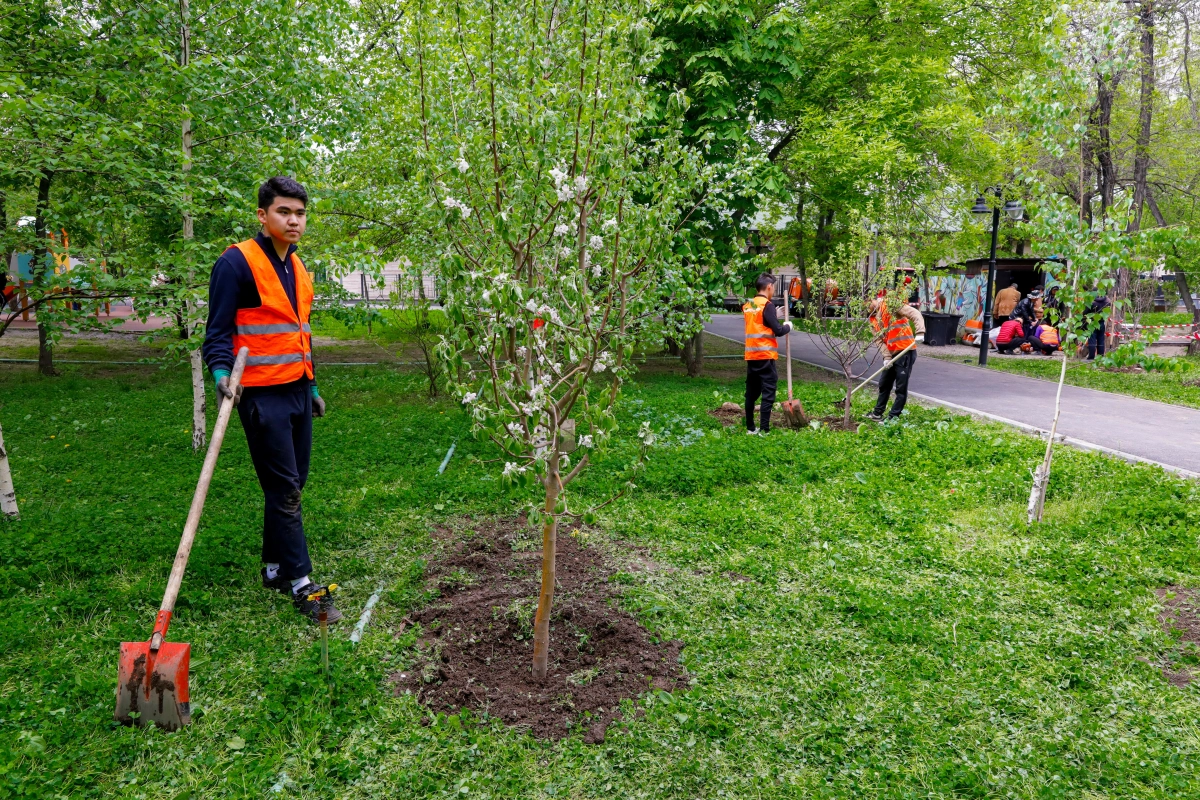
column 771, row 319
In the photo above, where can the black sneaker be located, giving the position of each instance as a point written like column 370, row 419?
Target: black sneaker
column 278, row 583
column 876, row 417
column 309, row 608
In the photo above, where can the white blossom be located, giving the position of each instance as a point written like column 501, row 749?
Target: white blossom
column 595, row 242
column 565, row 252
column 609, row 225
column 463, row 208
column 581, row 183
column 511, row 469
column 559, row 176
column 585, row 441
column 462, row 164
column 565, row 194
column 521, row 351
column 469, row 398
column 562, row 229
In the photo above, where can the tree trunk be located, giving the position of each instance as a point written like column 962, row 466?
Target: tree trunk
column 673, row 348
column 848, row 406
column 693, row 354
column 541, row 622
column 8, row 495
column 199, row 420
column 1141, row 150
column 800, row 265
column 1041, row 476
column 40, row 253
column 1106, row 173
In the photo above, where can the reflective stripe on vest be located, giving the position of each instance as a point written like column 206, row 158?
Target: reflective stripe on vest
column 761, row 344
column 897, row 334
column 278, row 336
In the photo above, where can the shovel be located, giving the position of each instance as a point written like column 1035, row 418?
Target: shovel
column 152, row 680
column 793, row 412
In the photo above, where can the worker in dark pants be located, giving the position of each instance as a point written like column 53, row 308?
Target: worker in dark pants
column 897, row 330
column 762, row 351
column 260, row 297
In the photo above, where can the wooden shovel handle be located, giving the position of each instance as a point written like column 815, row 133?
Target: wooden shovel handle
column 193, row 518
column 887, row 363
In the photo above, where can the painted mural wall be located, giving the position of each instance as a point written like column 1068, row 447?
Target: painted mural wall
column 955, row 294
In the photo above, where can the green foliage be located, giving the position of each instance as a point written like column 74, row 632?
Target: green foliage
column 1133, row 354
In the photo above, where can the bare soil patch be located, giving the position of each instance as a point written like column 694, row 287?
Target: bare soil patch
column 1181, row 613
column 731, row 414
column 835, row 423
column 476, row 650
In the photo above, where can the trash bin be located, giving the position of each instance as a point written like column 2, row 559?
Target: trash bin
column 941, row 329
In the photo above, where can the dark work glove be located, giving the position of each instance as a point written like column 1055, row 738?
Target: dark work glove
column 318, row 406
column 224, row 391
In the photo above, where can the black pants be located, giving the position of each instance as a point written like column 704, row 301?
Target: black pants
column 761, row 381
column 278, row 425
column 1010, row 346
column 896, row 375
column 1096, row 343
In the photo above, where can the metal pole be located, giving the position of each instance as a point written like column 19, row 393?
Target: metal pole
column 984, row 339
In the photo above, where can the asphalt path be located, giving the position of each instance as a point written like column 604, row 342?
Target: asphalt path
column 1126, row 427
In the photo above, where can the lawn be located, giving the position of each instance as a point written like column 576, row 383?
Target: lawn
column 1181, row 388
column 864, row 615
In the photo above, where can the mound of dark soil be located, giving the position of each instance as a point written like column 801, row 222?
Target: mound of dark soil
column 1181, row 612
column 729, row 413
column 477, row 646
column 835, row 422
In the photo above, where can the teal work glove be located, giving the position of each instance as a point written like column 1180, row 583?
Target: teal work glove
column 221, row 376
column 318, row 403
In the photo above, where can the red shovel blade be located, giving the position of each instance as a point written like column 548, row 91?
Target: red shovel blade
column 154, row 686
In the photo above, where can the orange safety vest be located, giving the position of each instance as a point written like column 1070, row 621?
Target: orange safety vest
column 279, row 338
column 1049, row 335
column 798, row 290
column 897, row 334
column 760, row 340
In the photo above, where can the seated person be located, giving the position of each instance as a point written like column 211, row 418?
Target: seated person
column 1011, row 336
column 1045, row 339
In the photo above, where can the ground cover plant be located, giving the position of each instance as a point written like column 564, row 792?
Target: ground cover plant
column 1180, row 387
column 849, row 630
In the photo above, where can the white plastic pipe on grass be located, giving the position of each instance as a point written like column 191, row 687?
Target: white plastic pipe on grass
column 366, row 616
column 446, row 460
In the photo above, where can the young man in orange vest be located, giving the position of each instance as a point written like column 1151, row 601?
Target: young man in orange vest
column 898, row 331
column 260, row 297
column 762, row 350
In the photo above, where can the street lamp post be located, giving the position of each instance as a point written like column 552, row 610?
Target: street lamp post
column 1015, row 211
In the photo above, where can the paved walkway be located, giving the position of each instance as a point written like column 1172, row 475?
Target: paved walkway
column 1126, row 427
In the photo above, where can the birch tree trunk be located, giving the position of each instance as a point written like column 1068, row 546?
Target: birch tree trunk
column 8, row 495
column 541, row 623
column 199, row 420
column 1041, row 475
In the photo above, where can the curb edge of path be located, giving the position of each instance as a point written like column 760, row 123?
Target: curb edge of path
column 1024, row 427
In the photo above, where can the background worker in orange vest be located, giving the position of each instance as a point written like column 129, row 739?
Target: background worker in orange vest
column 897, row 331
column 762, row 350
column 260, row 296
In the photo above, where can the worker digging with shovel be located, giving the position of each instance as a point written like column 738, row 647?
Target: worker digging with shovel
column 762, row 350
column 899, row 332
column 260, row 296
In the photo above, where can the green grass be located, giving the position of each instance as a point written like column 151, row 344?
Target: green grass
column 1165, row 318
column 903, row 634
column 1165, row 387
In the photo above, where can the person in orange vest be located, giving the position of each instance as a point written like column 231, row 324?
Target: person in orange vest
column 762, row 350
column 897, row 330
column 260, row 297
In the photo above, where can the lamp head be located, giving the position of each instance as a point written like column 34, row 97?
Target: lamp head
column 1014, row 210
column 981, row 206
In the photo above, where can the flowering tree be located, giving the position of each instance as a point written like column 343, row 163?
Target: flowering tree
column 560, row 209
